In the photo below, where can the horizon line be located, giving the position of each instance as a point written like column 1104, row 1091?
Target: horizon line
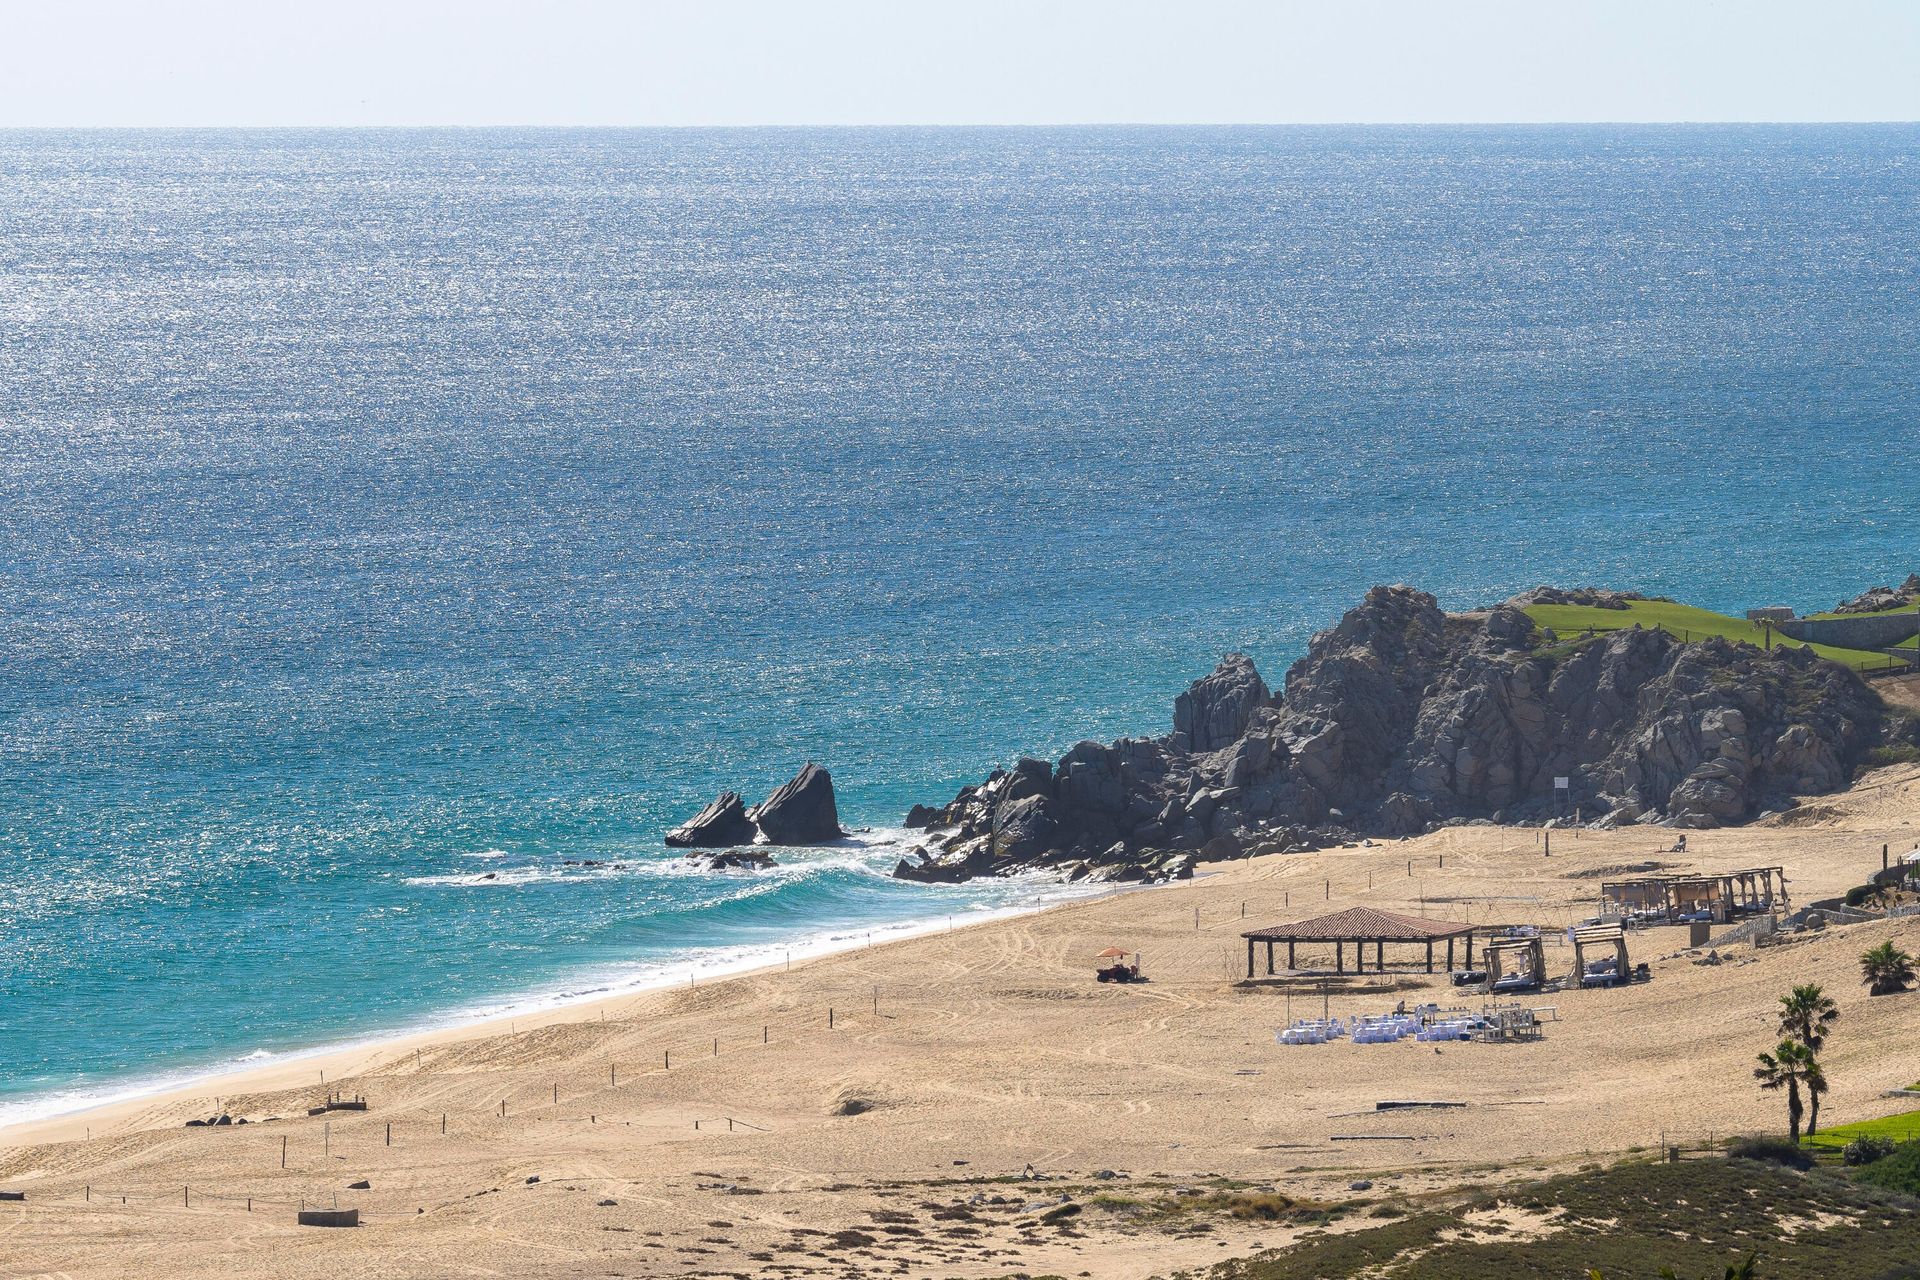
column 960, row 125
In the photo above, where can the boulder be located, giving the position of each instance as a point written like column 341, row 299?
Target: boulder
column 802, row 811
column 1023, row 829
column 721, row 823
column 734, row 860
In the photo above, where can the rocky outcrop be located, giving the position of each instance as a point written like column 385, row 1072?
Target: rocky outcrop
column 1593, row 597
column 733, row 860
column 1215, row 711
column 721, row 823
column 1402, row 718
column 801, row 812
column 1878, row 599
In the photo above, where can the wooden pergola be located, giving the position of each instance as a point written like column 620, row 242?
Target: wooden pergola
column 1360, row 926
column 1721, row 894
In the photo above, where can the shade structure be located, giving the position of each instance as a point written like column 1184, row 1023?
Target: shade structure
column 1113, row 953
column 1360, row 926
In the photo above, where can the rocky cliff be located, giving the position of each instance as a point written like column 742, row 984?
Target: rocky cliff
column 1403, row 718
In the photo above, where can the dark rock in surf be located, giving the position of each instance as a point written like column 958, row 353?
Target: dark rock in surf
column 802, row 811
column 721, row 823
column 734, row 860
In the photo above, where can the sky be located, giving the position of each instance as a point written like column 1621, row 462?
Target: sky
column 917, row 62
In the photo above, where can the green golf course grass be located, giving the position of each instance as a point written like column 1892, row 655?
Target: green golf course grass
column 1904, row 1127
column 1686, row 622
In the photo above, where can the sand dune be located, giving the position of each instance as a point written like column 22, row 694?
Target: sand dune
column 771, row 1143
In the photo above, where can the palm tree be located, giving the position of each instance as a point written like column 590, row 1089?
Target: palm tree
column 1789, row 1065
column 1886, row 969
column 1815, row 1077
column 1805, row 1015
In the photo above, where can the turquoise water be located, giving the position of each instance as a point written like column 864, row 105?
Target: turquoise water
column 378, row 510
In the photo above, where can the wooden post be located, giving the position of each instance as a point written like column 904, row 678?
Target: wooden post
column 389, row 1133
column 1339, row 963
column 556, row 1093
column 283, row 1151
column 186, row 1200
column 1196, row 919
column 829, row 1017
column 1329, row 891
column 1449, row 955
column 1249, row 957
column 612, row 1079
column 763, row 1033
column 1429, row 955
column 1380, row 956
column 666, row 1059
column 716, row 1046
column 503, row 1108
column 1290, row 963
column 443, row 1124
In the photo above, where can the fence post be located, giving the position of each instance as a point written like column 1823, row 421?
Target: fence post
column 283, row 1151
column 389, row 1133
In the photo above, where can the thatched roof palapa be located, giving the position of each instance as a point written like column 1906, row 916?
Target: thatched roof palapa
column 1361, row 924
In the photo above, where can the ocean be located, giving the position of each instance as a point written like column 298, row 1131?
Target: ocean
column 381, row 510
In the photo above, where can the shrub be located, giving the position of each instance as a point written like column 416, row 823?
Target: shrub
column 1771, row 1151
column 1899, row 1171
column 1893, row 753
column 1867, row 1150
column 1859, row 894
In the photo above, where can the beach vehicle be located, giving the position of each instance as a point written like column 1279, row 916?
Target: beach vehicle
column 1113, row 966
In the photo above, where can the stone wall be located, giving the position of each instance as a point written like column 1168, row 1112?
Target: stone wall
column 1862, row 631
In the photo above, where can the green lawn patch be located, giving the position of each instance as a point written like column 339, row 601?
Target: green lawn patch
column 1629, row 1221
column 1904, row 1127
column 1685, row 622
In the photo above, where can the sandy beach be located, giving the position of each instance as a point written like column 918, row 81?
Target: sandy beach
column 875, row 1111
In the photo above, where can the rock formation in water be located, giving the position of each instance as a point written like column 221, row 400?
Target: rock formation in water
column 1403, row 718
column 732, row 860
column 801, row 812
column 721, row 823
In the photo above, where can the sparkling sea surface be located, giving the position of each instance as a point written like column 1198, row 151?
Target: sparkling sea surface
column 381, row 510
